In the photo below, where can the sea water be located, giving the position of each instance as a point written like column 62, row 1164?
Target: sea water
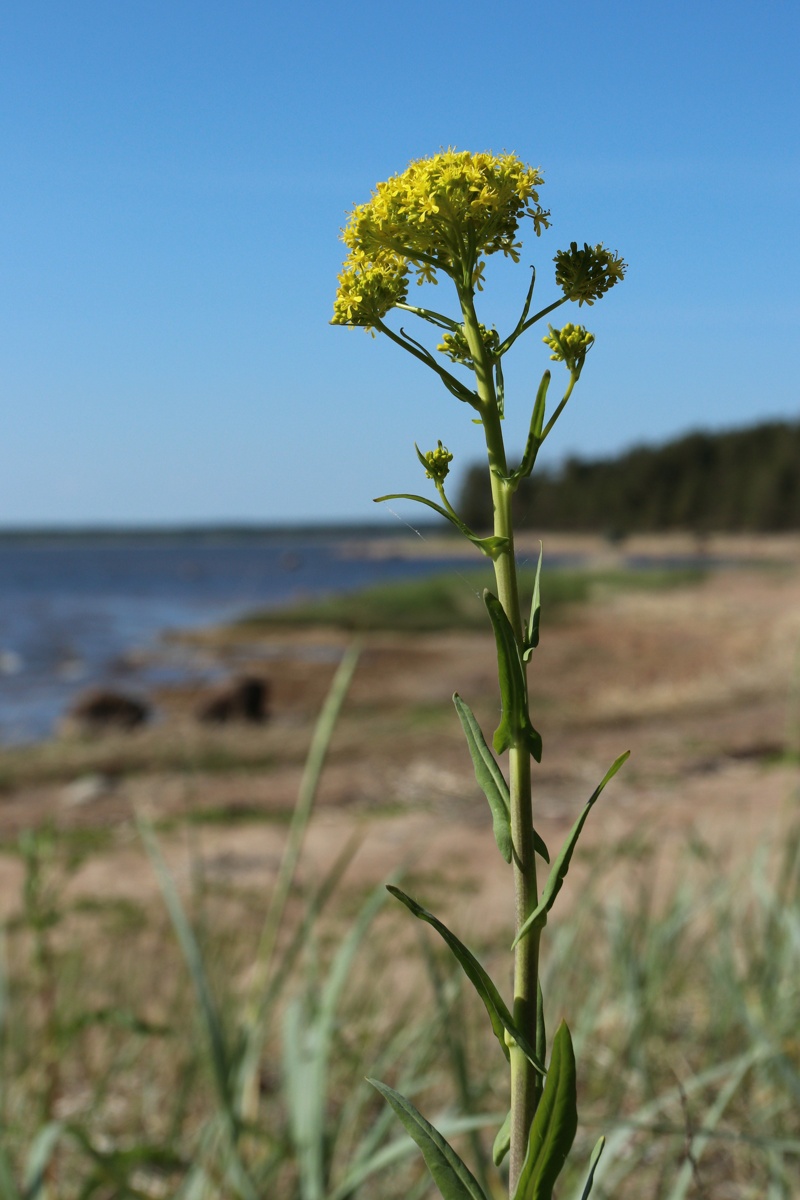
column 77, row 612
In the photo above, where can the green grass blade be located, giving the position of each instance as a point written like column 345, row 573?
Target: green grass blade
column 194, row 961
column 308, row 1038
column 499, row 1015
column 315, row 761
column 255, row 1022
column 452, row 1177
column 593, row 1161
column 222, row 1064
column 488, row 776
column 515, row 722
column 8, row 1188
column 39, row 1157
column 306, row 1099
column 698, row 1143
column 554, row 1126
column 538, row 917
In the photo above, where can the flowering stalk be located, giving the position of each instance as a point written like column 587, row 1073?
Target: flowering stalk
column 443, row 216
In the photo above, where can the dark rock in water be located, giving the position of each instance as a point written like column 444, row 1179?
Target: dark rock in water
column 242, row 699
column 101, row 709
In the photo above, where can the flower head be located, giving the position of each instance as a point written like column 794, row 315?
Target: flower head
column 569, row 345
column 586, row 275
column 436, row 462
column 442, row 213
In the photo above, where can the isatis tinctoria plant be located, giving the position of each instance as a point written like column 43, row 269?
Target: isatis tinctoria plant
column 441, row 219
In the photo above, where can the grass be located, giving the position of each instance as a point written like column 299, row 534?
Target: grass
column 690, row 1059
column 452, row 601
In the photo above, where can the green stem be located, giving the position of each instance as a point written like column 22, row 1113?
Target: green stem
column 524, row 1093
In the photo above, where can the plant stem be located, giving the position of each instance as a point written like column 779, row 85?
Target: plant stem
column 524, row 1093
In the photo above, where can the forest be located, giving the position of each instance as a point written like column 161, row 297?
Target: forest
column 734, row 481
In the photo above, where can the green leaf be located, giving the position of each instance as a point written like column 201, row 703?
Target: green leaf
column 554, row 1126
column 500, row 1017
column 535, row 438
column 488, row 775
column 538, row 918
column 502, row 1143
column 593, row 1161
column 452, row 1177
column 536, row 611
column 541, row 1030
column 515, row 726
column 492, row 783
column 492, row 547
column 500, row 389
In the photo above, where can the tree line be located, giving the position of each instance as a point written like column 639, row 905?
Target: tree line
column 739, row 480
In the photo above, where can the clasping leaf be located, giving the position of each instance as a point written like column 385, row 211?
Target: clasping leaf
column 532, row 640
column 554, row 1126
column 515, row 728
column 490, row 779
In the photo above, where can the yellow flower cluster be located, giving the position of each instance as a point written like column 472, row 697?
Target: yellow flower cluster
column 441, row 214
column 369, row 288
column 455, row 346
column 569, row 345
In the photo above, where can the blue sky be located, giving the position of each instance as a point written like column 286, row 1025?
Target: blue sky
column 175, row 175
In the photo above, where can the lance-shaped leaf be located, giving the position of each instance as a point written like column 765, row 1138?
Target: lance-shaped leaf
column 520, row 325
column 492, row 547
column 541, row 1032
column 492, row 783
column 452, row 1177
column 558, row 871
column 515, row 728
column 554, row 1126
column 593, row 1161
column 502, row 1142
column 489, row 777
column 501, row 1019
column 532, row 640
column 535, row 436
column 500, row 388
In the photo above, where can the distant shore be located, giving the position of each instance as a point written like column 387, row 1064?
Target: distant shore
column 593, row 548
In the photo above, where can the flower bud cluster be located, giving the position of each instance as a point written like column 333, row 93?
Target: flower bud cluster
column 437, row 463
column 586, row 275
column 569, row 345
column 455, row 345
